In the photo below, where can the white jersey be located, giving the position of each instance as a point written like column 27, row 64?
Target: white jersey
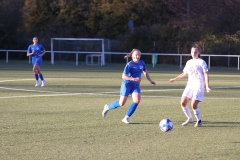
column 195, row 69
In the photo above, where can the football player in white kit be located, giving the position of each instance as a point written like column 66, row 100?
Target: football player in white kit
column 197, row 71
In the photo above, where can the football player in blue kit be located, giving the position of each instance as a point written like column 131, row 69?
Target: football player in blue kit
column 36, row 51
column 130, row 85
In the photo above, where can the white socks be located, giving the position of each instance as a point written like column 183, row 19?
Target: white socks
column 187, row 112
column 126, row 117
column 197, row 114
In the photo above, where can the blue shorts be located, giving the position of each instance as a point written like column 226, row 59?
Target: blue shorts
column 129, row 88
column 37, row 61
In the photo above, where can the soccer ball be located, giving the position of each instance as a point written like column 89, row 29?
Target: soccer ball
column 166, row 125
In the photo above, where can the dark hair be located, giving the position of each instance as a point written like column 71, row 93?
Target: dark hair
column 196, row 47
column 130, row 54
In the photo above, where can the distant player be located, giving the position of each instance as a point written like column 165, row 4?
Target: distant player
column 36, row 51
column 197, row 72
column 130, row 85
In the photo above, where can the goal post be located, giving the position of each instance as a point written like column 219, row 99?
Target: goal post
column 89, row 46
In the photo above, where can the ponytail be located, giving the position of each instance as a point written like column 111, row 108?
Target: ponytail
column 130, row 54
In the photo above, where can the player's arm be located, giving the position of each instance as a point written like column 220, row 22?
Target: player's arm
column 178, row 77
column 30, row 53
column 43, row 52
column 207, row 81
column 146, row 74
column 126, row 77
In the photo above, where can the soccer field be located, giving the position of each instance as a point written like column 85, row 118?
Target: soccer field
column 63, row 120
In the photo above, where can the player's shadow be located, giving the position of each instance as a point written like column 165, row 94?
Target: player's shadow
column 204, row 123
column 220, row 124
column 143, row 123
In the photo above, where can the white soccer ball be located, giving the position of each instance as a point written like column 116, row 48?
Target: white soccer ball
column 166, row 125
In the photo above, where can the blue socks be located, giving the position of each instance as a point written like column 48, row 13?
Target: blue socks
column 41, row 77
column 131, row 109
column 113, row 105
column 36, row 77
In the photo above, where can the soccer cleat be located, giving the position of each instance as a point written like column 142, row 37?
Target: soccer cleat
column 198, row 124
column 105, row 110
column 37, row 84
column 43, row 83
column 125, row 120
column 189, row 120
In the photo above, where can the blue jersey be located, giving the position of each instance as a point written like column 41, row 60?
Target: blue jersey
column 134, row 70
column 37, row 48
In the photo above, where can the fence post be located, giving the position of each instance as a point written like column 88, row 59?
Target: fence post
column 6, row 56
column 76, row 59
column 103, row 54
column 180, row 61
column 52, row 52
column 209, row 61
column 238, row 62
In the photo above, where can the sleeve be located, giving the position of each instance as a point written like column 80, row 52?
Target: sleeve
column 29, row 50
column 144, row 66
column 185, row 69
column 43, row 49
column 205, row 68
column 126, row 69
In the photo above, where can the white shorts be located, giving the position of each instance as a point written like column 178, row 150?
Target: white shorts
column 196, row 93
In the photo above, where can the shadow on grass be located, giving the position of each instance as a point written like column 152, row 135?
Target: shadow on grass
column 220, row 124
column 204, row 123
column 143, row 123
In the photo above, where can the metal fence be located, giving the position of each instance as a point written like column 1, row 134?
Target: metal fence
column 209, row 58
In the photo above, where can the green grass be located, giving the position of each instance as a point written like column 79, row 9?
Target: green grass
column 63, row 120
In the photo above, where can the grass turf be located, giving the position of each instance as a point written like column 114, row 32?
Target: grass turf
column 63, row 120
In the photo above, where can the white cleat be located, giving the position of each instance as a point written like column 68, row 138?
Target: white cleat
column 190, row 120
column 105, row 110
column 198, row 124
column 43, row 83
column 125, row 120
column 37, row 84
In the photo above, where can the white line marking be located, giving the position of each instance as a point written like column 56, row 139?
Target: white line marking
column 15, row 80
column 26, row 90
column 54, row 93
column 226, row 87
column 99, row 94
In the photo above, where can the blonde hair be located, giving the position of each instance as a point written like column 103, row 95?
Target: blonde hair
column 130, row 54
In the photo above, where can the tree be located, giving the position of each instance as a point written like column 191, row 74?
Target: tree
column 39, row 16
column 217, row 16
column 10, row 19
column 109, row 18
